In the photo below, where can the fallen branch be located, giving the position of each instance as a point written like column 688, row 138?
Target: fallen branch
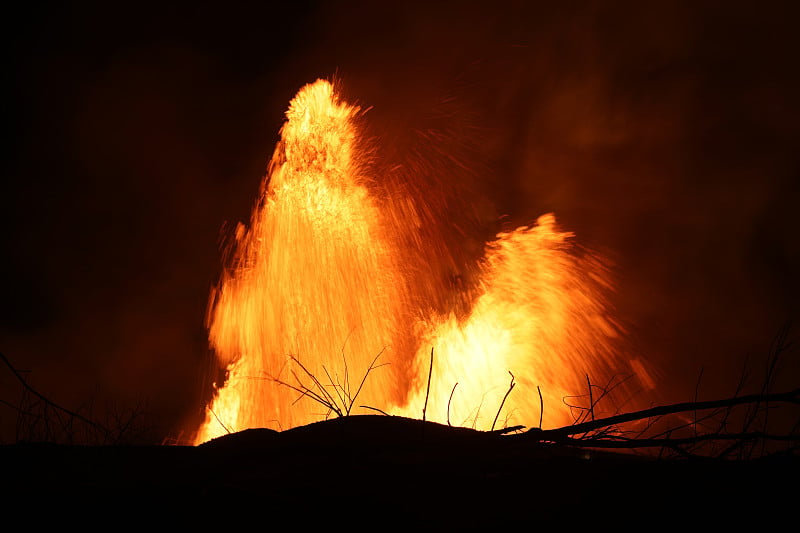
column 615, row 439
column 622, row 442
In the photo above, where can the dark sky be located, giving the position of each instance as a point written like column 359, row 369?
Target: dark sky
column 665, row 134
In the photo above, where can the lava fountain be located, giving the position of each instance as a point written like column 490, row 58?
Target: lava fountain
column 322, row 302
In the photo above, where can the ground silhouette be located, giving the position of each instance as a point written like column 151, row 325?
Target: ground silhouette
column 384, row 472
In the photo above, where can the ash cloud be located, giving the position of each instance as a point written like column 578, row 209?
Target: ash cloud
column 663, row 135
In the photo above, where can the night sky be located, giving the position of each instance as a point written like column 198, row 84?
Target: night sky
column 666, row 135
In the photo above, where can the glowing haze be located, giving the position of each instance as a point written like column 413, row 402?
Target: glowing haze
column 325, row 285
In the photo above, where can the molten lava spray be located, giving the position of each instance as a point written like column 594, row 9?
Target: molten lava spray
column 312, row 281
column 322, row 304
column 539, row 314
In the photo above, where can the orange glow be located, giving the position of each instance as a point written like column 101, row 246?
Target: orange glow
column 540, row 315
column 323, row 282
column 311, row 278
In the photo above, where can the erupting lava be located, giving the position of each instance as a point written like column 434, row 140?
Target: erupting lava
column 320, row 303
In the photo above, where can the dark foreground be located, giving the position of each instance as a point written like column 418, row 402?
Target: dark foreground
column 383, row 473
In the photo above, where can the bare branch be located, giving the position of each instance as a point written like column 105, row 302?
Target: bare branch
column 541, row 406
column 48, row 402
column 450, row 400
column 510, row 388
column 428, row 391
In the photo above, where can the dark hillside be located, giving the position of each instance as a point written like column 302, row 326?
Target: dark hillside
column 377, row 473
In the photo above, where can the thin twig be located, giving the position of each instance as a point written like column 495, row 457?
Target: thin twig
column 364, row 379
column 450, row 400
column 342, row 403
column 220, row 422
column 510, row 387
column 338, row 389
column 541, row 406
column 696, row 388
column 375, row 409
column 48, row 402
column 428, row 391
column 509, row 429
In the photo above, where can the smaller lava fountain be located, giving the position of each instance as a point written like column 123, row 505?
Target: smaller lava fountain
column 323, row 300
column 540, row 314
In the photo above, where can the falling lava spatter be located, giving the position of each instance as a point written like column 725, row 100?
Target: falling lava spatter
column 320, row 288
column 312, row 276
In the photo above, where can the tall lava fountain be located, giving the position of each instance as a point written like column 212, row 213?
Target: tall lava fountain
column 322, row 301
